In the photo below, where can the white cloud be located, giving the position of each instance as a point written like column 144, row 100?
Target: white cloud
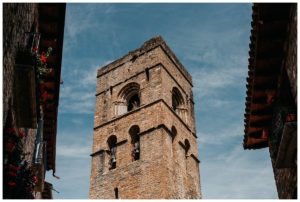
column 75, row 143
column 78, row 91
column 73, row 151
column 219, row 135
column 208, row 81
column 238, row 174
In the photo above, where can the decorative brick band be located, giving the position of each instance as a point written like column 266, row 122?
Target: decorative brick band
column 145, row 106
column 163, row 126
column 103, row 150
column 141, row 72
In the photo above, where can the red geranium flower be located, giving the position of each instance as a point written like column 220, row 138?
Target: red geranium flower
column 43, row 57
column 12, row 174
column 34, row 49
column 11, row 130
column 15, row 168
column 45, row 96
column 12, row 184
column 35, row 179
column 42, row 87
column 21, row 133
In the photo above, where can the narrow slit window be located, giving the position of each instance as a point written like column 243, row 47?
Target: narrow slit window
column 116, row 193
column 112, row 144
column 147, row 74
column 187, row 146
column 174, row 133
column 135, row 142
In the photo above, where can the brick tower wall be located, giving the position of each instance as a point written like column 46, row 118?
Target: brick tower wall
column 165, row 169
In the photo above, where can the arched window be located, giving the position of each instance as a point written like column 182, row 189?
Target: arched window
column 112, row 144
column 129, row 98
column 133, row 102
column 134, row 132
column 174, row 132
column 177, row 101
column 187, row 146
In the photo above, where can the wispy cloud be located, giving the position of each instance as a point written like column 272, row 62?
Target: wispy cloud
column 75, row 144
column 220, row 135
column 236, row 176
column 209, row 81
column 73, row 151
column 79, row 88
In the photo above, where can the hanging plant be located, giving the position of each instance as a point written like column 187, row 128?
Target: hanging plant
column 41, row 61
column 21, row 181
column 12, row 138
column 42, row 70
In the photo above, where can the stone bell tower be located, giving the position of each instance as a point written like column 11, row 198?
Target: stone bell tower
column 144, row 144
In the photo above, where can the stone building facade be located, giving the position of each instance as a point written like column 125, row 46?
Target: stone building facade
column 271, row 102
column 145, row 143
column 30, row 118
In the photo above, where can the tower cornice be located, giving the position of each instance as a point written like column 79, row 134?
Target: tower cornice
column 149, row 45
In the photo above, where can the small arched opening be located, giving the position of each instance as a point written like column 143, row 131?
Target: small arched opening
column 116, row 193
column 174, row 133
column 187, row 146
column 133, row 102
column 129, row 98
column 177, row 101
column 134, row 132
column 112, row 145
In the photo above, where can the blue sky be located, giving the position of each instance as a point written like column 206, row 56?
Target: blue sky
column 211, row 41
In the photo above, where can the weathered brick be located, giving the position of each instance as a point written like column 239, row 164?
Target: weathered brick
column 165, row 168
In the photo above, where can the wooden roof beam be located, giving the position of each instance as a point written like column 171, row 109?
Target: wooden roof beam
column 263, row 111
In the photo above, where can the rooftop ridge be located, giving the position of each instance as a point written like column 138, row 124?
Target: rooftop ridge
column 147, row 46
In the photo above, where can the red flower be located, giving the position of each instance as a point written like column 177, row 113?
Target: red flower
column 11, row 130
column 34, row 49
column 15, row 168
column 35, row 179
column 44, row 96
column 9, row 146
column 12, row 184
column 21, row 133
column 12, row 174
column 43, row 57
column 42, row 86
